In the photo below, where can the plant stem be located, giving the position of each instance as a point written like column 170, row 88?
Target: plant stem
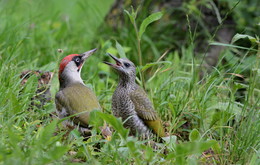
column 138, row 45
column 139, row 54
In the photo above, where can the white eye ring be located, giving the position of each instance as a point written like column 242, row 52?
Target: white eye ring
column 77, row 60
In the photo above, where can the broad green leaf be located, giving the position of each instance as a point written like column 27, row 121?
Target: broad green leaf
column 170, row 141
column 171, row 156
column 186, row 149
column 115, row 123
column 194, row 135
column 149, row 154
column 243, row 36
column 232, row 46
column 194, row 147
column 216, row 148
column 95, row 120
column 120, row 50
column 228, row 107
column 112, row 50
column 75, row 133
column 131, row 146
column 151, row 18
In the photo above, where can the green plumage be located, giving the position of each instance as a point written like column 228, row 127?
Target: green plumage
column 74, row 99
column 77, row 98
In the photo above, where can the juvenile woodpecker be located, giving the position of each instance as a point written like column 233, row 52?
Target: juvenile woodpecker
column 73, row 96
column 130, row 102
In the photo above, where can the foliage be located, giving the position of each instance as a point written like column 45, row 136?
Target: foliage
column 213, row 120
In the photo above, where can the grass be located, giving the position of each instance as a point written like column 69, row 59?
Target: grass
column 212, row 121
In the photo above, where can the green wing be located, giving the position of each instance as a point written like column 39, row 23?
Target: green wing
column 145, row 111
column 75, row 99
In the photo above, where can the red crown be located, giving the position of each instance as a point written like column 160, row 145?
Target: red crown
column 65, row 61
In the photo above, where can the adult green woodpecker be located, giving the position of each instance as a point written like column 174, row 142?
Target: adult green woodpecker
column 131, row 103
column 73, row 96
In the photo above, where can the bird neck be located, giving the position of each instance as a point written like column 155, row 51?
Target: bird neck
column 126, row 81
column 68, row 77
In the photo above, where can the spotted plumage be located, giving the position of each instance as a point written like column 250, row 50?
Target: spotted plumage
column 131, row 103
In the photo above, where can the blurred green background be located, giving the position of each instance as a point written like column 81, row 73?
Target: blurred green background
column 200, row 68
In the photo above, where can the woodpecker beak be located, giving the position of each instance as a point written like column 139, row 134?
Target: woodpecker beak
column 87, row 54
column 118, row 63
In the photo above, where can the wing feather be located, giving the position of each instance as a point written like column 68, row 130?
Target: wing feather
column 76, row 99
column 143, row 105
column 146, row 112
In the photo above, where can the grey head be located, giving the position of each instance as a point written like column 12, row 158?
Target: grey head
column 124, row 67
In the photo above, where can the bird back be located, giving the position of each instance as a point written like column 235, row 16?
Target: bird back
column 78, row 98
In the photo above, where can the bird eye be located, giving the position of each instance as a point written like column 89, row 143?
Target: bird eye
column 127, row 65
column 77, row 60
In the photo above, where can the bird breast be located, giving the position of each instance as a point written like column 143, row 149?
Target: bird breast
column 122, row 105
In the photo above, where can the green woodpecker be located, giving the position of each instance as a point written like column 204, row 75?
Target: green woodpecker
column 74, row 97
column 131, row 103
